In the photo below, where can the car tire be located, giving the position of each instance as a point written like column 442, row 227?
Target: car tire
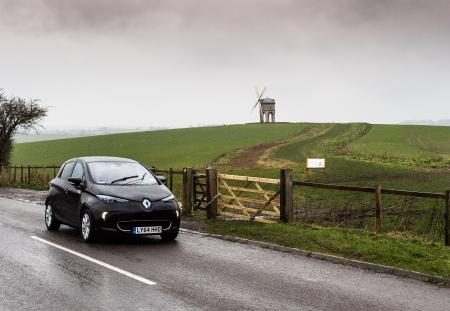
column 169, row 236
column 51, row 222
column 87, row 226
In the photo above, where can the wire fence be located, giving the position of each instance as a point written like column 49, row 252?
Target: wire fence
column 424, row 217
column 334, row 208
column 409, row 213
column 27, row 175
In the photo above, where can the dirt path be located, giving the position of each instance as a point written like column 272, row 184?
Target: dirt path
column 261, row 155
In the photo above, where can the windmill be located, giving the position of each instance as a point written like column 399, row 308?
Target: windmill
column 266, row 107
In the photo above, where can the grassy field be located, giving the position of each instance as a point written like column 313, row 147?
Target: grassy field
column 343, row 144
column 415, row 145
column 166, row 148
column 323, row 140
column 405, row 140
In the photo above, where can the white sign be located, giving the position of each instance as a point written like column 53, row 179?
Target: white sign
column 315, row 163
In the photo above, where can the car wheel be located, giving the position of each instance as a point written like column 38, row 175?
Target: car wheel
column 51, row 222
column 169, row 236
column 87, row 227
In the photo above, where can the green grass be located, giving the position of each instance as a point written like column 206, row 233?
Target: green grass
column 405, row 141
column 406, row 145
column 332, row 141
column 404, row 253
column 167, row 148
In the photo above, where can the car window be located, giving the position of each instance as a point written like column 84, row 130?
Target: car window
column 78, row 171
column 67, row 170
column 123, row 173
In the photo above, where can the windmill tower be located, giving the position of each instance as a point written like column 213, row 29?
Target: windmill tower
column 266, row 107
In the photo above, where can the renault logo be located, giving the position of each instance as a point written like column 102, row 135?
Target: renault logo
column 146, row 203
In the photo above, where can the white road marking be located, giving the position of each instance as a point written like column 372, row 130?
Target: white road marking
column 98, row 262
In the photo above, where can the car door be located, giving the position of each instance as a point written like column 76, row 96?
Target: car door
column 59, row 186
column 73, row 196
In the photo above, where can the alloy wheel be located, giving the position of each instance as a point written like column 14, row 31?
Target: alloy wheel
column 48, row 215
column 86, row 226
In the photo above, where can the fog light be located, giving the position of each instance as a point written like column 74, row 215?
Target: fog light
column 104, row 214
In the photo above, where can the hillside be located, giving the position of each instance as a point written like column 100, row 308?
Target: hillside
column 254, row 145
column 401, row 156
column 405, row 141
column 175, row 148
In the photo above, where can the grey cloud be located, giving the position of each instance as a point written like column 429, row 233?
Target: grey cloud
column 335, row 54
column 230, row 15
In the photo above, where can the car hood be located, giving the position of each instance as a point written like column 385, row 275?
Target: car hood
column 134, row 193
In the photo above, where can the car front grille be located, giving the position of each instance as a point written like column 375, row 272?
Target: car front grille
column 128, row 225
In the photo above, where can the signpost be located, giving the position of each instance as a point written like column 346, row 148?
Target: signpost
column 315, row 164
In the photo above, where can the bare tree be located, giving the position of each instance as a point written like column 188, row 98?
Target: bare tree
column 16, row 114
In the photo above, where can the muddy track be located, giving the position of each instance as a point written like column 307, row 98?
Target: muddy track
column 261, row 155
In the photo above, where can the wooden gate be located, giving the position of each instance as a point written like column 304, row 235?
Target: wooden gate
column 244, row 198
column 199, row 191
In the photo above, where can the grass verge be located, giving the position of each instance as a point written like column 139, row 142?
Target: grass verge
column 386, row 249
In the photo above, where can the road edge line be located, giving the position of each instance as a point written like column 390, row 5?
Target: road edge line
column 437, row 280
column 96, row 261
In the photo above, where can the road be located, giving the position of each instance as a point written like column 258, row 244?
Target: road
column 193, row 273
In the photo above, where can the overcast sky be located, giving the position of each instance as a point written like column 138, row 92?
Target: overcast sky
column 140, row 63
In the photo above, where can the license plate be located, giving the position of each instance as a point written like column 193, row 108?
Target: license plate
column 147, row 230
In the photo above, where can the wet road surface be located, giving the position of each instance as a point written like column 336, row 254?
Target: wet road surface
column 41, row 270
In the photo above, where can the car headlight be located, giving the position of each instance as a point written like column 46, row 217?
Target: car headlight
column 104, row 214
column 169, row 198
column 109, row 199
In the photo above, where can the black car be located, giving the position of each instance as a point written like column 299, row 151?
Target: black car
column 108, row 193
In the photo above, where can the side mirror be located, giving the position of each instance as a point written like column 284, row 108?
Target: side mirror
column 78, row 182
column 162, row 179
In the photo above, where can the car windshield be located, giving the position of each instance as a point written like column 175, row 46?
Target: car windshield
column 120, row 173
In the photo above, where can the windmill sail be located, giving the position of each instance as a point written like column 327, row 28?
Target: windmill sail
column 259, row 96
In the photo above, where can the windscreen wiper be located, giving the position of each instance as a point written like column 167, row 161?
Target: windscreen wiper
column 124, row 178
column 135, row 181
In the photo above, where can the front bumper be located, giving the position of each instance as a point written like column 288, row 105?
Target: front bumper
column 122, row 217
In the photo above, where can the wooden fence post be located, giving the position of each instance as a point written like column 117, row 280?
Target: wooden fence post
column 187, row 191
column 171, row 179
column 29, row 174
column 21, row 174
column 378, row 211
column 211, row 193
column 286, row 195
column 447, row 218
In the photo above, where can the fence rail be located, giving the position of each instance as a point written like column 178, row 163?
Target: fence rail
column 371, row 189
column 170, row 172
column 232, row 195
column 28, row 174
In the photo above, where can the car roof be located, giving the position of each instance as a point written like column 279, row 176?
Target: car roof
column 101, row 159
